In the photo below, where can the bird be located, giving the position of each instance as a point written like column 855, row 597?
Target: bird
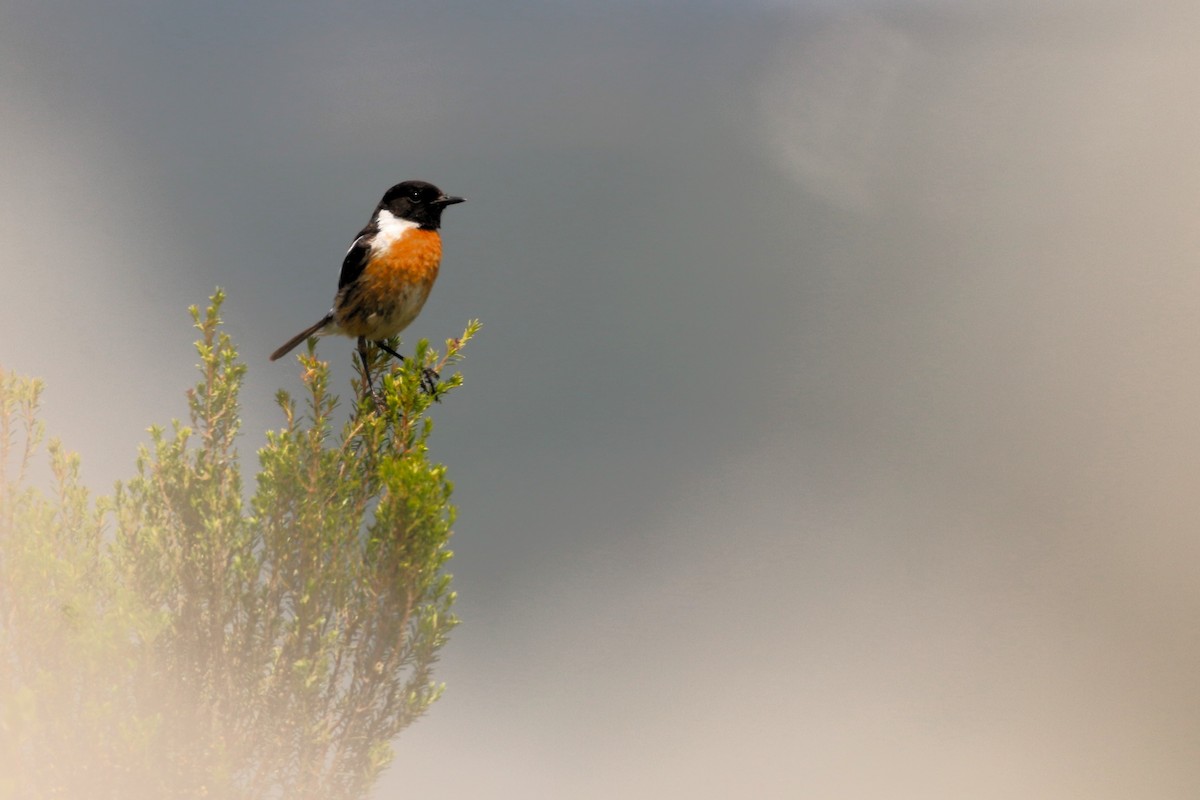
column 387, row 273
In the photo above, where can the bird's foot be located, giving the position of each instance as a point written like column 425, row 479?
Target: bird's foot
column 429, row 379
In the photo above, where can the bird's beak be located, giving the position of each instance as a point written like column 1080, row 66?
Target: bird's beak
column 446, row 200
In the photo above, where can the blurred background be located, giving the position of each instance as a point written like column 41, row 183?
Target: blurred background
column 833, row 430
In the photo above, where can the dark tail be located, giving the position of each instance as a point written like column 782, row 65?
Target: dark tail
column 300, row 337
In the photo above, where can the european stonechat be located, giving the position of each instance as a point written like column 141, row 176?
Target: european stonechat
column 387, row 272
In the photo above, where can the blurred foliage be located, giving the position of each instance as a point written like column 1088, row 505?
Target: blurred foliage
column 183, row 640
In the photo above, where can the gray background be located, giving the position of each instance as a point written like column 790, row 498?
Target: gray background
column 833, row 430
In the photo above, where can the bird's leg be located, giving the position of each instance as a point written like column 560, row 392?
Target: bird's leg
column 362, row 354
column 384, row 347
column 429, row 377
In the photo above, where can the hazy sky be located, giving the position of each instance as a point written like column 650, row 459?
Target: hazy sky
column 834, row 428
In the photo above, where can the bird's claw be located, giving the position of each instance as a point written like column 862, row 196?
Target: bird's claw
column 429, row 379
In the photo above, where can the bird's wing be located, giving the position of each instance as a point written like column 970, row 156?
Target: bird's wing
column 356, row 258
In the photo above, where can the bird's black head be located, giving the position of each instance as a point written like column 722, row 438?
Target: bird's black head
column 419, row 202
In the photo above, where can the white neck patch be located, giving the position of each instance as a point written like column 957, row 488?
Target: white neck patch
column 391, row 229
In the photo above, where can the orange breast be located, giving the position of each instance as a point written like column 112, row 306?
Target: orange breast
column 412, row 259
column 390, row 292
